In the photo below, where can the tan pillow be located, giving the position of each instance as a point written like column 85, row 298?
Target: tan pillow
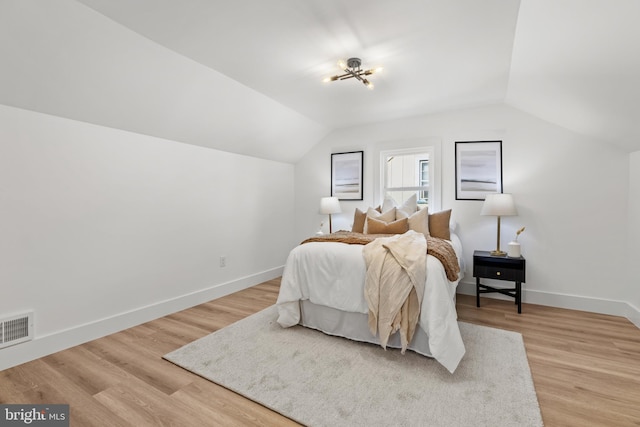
column 418, row 221
column 359, row 218
column 375, row 226
column 439, row 224
column 387, row 216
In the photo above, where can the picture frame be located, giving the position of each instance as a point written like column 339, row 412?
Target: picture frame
column 347, row 175
column 478, row 169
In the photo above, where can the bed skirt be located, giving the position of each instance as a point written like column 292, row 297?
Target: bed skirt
column 354, row 326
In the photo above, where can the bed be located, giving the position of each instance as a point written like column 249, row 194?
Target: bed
column 323, row 286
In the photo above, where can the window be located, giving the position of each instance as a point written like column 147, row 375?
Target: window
column 410, row 171
column 423, row 180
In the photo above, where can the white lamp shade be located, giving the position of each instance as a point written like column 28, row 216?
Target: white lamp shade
column 499, row 204
column 330, row 205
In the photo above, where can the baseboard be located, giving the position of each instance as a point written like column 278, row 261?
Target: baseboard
column 634, row 315
column 573, row 302
column 52, row 343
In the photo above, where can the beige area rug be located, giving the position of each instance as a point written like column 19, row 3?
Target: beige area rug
column 320, row 380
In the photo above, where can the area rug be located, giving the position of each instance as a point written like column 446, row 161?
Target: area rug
column 320, row 380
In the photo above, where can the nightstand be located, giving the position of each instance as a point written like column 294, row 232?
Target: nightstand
column 487, row 266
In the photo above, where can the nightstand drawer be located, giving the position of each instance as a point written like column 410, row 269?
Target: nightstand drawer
column 499, row 273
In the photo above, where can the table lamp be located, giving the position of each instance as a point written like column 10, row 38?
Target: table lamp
column 329, row 206
column 499, row 204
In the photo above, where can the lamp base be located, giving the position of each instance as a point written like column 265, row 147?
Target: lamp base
column 498, row 253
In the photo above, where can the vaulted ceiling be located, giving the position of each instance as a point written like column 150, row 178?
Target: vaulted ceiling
column 245, row 75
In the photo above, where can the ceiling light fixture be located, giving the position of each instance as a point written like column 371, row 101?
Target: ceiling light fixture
column 351, row 70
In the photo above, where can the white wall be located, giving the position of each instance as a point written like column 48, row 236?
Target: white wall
column 634, row 236
column 102, row 228
column 571, row 194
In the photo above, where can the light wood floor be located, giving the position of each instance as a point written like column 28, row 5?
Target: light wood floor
column 585, row 366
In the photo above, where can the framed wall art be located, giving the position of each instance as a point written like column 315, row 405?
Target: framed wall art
column 347, row 175
column 478, row 169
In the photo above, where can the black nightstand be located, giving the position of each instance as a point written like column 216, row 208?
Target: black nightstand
column 490, row 266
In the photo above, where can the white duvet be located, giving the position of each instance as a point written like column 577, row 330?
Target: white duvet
column 333, row 275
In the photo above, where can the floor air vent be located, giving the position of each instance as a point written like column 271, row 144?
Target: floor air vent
column 16, row 329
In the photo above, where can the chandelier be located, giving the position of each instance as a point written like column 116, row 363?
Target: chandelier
column 352, row 70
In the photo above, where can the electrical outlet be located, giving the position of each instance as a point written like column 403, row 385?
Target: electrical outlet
column 223, row 261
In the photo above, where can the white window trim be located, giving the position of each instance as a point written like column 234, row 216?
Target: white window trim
column 435, row 178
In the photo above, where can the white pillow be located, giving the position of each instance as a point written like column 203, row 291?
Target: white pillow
column 386, row 216
column 418, row 221
column 410, row 206
column 387, row 204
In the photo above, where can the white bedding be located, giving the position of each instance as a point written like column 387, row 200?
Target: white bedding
column 333, row 274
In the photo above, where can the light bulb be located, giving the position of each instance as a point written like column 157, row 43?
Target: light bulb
column 378, row 70
column 326, row 80
column 342, row 64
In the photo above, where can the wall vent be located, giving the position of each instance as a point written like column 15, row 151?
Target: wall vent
column 16, row 329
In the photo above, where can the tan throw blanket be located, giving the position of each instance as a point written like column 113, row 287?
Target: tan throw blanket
column 394, row 284
column 439, row 248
